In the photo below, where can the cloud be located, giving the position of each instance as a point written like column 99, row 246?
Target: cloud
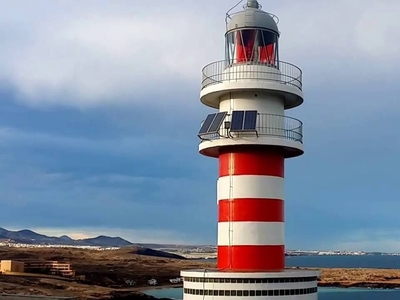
column 93, row 56
column 376, row 38
column 113, row 52
column 136, row 146
column 160, row 198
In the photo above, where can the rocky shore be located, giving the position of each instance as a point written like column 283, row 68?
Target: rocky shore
column 364, row 278
column 110, row 274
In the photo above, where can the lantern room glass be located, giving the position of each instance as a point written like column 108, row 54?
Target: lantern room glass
column 252, row 45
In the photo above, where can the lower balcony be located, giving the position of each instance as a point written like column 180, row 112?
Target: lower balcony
column 250, row 128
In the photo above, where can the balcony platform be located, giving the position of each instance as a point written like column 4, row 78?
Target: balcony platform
column 270, row 130
column 212, row 148
column 222, row 77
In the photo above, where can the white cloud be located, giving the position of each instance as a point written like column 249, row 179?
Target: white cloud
column 376, row 30
column 110, row 52
column 105, row 200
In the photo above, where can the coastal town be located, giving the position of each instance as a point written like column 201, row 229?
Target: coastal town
column 21, row 245
column 194, row 252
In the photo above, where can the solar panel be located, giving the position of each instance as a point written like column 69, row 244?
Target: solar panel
column 206, row 125
column 237, row 120
column 250, row 119
column 244, row 120
column 217, row 122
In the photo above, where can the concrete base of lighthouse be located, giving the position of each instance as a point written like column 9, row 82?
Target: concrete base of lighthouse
column 210, row 284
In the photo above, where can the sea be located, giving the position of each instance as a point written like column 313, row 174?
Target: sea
column 331, row 261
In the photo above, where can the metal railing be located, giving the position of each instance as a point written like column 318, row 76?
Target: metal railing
column 231, row 71
column 267, row 125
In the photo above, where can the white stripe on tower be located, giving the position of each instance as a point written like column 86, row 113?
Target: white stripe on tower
column 251, row 233
column 250, row 186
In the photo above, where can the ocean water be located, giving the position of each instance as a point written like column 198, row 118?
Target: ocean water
column 365, row 261
column 345, row 261
column 342, row 261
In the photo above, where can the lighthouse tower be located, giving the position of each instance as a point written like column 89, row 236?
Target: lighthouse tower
column 251, row 136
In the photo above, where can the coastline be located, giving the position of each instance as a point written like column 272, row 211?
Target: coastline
column 160, row 287
column 109, row 274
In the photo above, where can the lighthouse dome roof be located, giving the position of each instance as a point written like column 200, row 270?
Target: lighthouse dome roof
column 252, row 17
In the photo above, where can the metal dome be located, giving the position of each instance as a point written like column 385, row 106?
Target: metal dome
column 252, row 17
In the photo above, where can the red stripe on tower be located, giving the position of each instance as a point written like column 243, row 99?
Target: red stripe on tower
column 251, row 258
column 256, row 210
column 251, row 160
column 251, row 209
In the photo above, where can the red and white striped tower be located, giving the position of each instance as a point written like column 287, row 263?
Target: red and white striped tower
column 251, row 137
column 251, row 209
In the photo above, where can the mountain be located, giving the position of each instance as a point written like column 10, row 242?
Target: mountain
column 26, row 236
column 65, row 238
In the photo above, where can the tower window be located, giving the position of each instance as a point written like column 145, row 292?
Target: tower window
column 252, row 45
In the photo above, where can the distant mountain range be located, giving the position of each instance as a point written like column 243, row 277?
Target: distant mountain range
column 26, row 236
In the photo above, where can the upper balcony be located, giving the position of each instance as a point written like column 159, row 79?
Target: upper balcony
column 250, row 128
column 227, row 76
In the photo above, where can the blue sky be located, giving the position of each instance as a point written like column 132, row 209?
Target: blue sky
column 100, row 110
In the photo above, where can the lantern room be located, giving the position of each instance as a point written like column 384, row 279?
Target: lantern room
column 252, row 36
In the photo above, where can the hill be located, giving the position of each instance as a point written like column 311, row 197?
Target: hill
column 26, row 236
column 103, row 240
column 155, row 253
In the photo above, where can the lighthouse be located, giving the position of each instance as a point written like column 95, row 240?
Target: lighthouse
column 251, row 136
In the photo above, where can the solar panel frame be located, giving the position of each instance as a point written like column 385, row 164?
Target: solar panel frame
column 250, row 120
column 206, row 124
column 237, row 119
column 217, row 122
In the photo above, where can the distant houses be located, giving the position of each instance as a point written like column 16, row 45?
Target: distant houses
column 152, row 282
column 11, row 244
column 12, row 266
column 37, row 267
column 176, row 280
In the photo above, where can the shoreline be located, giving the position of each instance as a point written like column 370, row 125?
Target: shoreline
column 159, row 287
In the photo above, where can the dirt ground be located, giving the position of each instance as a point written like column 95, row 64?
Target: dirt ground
column 108, row 273
column 374, row 278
